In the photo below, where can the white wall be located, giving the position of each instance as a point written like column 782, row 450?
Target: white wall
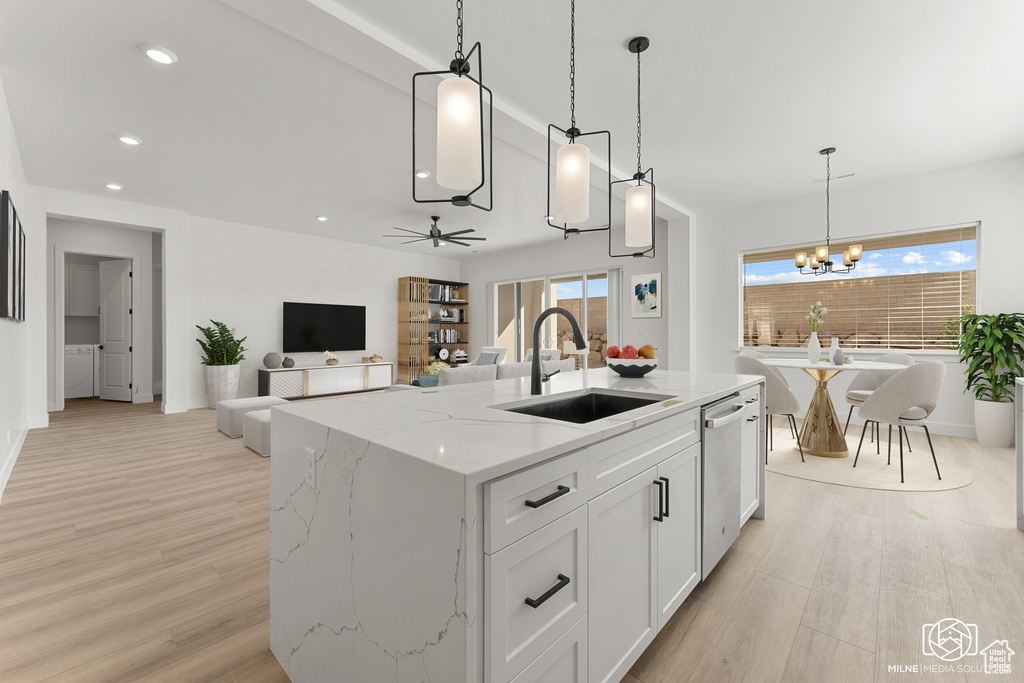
column 18, row 413
column 107, row 241
column 583, row 252
column 240, row 275
column 991, row 192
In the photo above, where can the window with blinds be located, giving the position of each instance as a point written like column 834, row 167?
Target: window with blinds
column 906, row 293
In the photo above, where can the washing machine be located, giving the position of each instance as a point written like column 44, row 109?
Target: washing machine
column 80, row 369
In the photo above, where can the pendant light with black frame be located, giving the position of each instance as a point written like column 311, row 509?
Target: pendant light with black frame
column 820, row 261
column 464, row 160
column 569, row 175
column 640, row 195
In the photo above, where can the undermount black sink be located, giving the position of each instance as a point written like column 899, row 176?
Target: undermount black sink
column 586, row 407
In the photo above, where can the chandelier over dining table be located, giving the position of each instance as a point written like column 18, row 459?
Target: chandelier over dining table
column 820, row 262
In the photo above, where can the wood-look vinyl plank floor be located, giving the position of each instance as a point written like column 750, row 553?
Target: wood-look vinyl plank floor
column 134, row 546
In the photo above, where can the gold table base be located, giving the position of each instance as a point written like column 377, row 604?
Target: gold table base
column 821, row 433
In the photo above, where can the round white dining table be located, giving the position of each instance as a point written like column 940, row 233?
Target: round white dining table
column 821, row 433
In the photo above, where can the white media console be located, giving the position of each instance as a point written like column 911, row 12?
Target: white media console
column 323, row 380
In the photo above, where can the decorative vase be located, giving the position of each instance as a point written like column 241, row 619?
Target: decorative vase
column 375, row 358
column 221, row 383
column 428, row 380
column 271, row 361
column 993, row 423
column 814, row 348
column 288, row 362
column 332, row 361
column 839, row 358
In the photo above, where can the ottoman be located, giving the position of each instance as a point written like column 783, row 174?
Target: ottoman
column 230, row 412
column 256, row 431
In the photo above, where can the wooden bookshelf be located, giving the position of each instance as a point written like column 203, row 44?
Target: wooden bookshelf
column 430, row 310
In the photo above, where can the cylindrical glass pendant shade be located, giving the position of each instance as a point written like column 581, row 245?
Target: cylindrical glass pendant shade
column 821, row 253
column 458, row 134
column 639, row 218
column 572, row 183
column 801, row 259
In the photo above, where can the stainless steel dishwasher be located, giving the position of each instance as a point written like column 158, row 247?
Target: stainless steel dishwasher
column 722, row 425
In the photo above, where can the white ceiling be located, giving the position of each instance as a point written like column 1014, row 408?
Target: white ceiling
column 281, row 110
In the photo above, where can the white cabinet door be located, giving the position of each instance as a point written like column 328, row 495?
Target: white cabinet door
column 750, row 467
column 322, row 381
column 623, row 617
column 679, row 533
column 82, row 290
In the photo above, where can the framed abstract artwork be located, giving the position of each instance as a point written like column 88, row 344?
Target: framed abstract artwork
column 645, row 296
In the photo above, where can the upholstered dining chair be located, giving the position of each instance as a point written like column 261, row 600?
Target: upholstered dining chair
column 864, row 383
column 906, row 399
column 779, row 398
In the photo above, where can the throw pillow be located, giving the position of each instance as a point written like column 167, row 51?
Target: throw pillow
column 487, row 358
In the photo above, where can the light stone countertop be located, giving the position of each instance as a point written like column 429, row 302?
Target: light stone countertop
column 454, row 428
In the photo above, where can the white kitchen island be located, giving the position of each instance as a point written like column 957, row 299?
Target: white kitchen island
column 428, row 536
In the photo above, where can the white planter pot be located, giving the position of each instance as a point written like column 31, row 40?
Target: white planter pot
column 221, row 383
column 814, row 348
column 993, row 423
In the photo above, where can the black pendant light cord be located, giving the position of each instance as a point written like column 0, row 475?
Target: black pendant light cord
column 572, row 70
column 639, row 166
column 458, row 27
column 828, row 200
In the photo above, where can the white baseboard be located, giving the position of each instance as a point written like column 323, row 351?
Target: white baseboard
column 39, row 421
column 9, row 458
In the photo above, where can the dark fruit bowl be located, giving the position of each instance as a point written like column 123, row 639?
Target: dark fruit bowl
column 628, row 367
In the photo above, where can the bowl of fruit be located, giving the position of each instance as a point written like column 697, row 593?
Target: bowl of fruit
column 630, row 361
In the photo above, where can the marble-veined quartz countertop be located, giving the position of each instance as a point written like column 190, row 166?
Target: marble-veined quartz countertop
column 454, row 427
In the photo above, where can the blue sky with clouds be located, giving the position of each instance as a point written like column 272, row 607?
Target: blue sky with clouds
column 929, row 258
column 574, row 290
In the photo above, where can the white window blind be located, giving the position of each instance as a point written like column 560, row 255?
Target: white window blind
column 904, row 294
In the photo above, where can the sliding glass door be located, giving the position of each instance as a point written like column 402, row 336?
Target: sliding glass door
column 591, row 297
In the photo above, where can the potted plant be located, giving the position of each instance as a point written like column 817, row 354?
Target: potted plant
column 433, row 374
column 814, row 318
column 992, row 346
column 221, row 356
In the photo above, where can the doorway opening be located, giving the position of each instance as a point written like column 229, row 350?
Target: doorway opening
column 105, row 303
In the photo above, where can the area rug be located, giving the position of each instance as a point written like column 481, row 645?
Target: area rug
column 871, row 472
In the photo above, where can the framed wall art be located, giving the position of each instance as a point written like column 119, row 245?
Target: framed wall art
column 645, row 296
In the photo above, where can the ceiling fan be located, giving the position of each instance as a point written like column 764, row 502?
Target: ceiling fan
column 437, row 237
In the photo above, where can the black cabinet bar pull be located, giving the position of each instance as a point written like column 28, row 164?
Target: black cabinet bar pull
column 562, row 490
column 660, row 517
column 563, row 581
column 668, row 495
column 752, row 418
column 752, row 400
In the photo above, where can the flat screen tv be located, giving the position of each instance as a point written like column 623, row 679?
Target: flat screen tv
column 323, row 327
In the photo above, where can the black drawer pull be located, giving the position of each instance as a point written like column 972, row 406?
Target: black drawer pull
column 752, row 419
column 660, row 517
column 563, row 581
column 562, row 490
column 667, row 494
column 752, row 400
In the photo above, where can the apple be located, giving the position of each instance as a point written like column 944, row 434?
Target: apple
column 612, row 352
column 646, row 351
column 628, row 352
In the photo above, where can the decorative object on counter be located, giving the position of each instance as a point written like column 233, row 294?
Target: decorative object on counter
column 569, row 176
column 222, row 353
column 821, row 262
column 331, row 359
column 645, row 298
column 640, row 197
column 814, row 318
column 271, row 361
column 376, row 358
column 992, row 347
column 437, row 237
column 288, row 362
column 464, row 136
column 631, row 367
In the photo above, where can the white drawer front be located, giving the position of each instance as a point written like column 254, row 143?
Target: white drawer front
column 532, row 568
column 510, row 502
column 563, row 662
column 623, row 457
column 288, row 384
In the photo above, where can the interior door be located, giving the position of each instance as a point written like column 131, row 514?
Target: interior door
column 115, row 349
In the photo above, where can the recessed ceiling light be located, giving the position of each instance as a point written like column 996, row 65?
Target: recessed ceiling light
column 422, row 174
column 160, row 55
column 129, row 140
column 321, row 218
column 114, row 186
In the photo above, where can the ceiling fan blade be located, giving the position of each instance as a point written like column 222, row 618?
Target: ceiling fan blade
column 398, row 236
column 461, row 244
column 434, row 238
column 459, row 232
column 422, row 239
column 475, row 239
column 394, row 227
